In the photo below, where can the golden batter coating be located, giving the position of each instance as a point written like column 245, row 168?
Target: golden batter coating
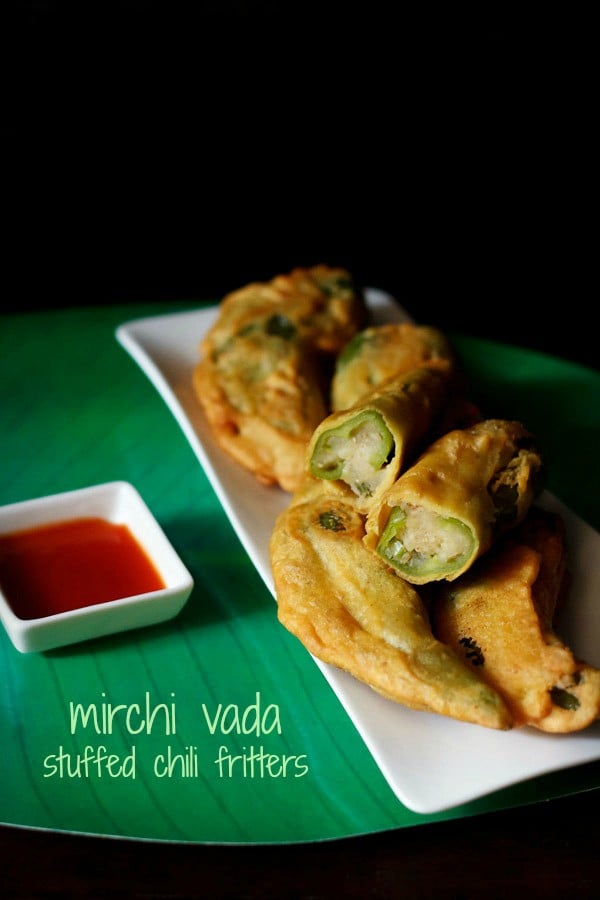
column 349, row 610
column 462, row 493
column 320, row 305
column 263, row 399
column 500, row 615
column 369, row 444
column 381, row 352
column 263, row 377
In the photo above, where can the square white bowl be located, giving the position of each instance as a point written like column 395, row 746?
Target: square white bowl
column 120, row 503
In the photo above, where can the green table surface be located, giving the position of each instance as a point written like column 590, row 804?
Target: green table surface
column 75, row 410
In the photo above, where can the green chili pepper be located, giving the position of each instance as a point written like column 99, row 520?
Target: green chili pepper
column 352, row 349
column 410, row 560
column 331, row 522
column 334, row 446
column 564, row 699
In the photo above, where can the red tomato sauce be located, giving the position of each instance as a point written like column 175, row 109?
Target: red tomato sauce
column 68, row 565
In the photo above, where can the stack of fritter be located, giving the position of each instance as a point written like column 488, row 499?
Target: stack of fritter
column 411, row 553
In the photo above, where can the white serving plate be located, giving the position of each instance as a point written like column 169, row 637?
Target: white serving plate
column 431, row 762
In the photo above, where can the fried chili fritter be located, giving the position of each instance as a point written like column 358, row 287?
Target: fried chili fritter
column 461, row 494
column 348, row 609
column 380, row 352
column 265, row 368
column 500, row 617
column 369, row 444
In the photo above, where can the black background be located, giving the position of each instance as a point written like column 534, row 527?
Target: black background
column 177, row 151
column 169, row 151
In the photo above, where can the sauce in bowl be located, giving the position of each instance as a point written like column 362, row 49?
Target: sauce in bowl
column 62, row 566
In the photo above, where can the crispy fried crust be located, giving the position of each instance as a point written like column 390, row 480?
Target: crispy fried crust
column 347, row 609
column 484, row 477
column 499, row 617
column 381, row 352
column 263, row 422
column 409, row 407
column 263, row 380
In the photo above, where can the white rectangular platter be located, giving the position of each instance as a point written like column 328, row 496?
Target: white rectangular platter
column 430, row 762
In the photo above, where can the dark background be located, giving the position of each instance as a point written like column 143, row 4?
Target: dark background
column 169, row 151
column 176, row 151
